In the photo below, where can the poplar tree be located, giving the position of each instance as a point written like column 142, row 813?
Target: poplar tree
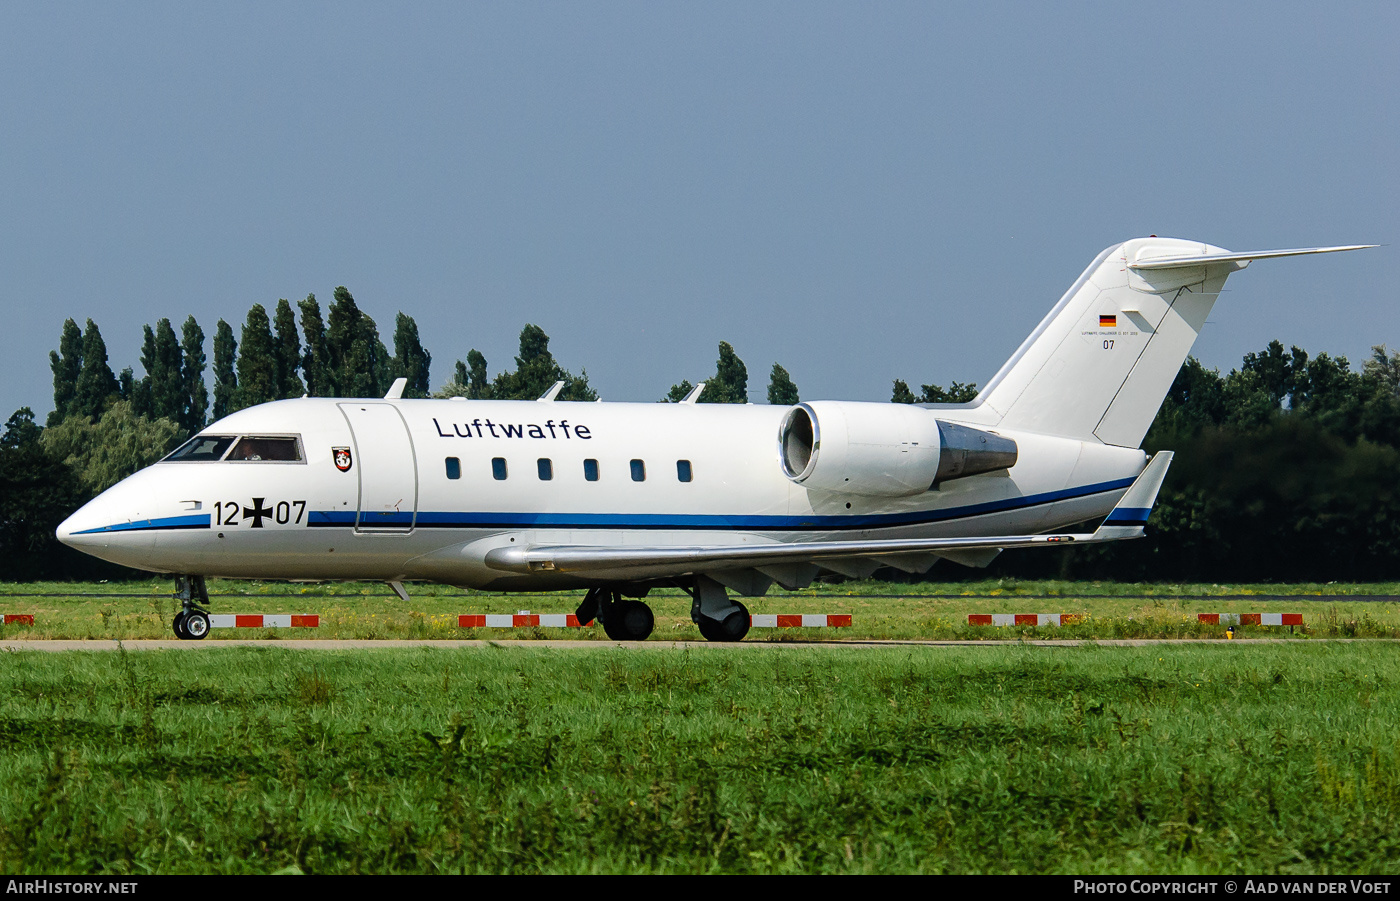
column 66, row 364
column 411, row 361
column 315, row 361
column 140, row 393
column 478, row 384
column 468, row 379
column 195, row 403
column 781, row 389
column 381, row 365
column 257, row 364
column 730, row 384
column 225, row 381
column 288, row 352
column 167, row 383
column 536, row 371
column 96, row 384
column 356, row 358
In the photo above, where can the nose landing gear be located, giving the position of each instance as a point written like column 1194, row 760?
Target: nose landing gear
column 192, row 622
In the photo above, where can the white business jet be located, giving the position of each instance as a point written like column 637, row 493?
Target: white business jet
column 621, row 498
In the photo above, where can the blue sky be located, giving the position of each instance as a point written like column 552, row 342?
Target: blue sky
column 861, row 192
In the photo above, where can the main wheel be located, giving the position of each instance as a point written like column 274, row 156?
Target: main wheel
column 629, row 621
column 196, row 625
column 179, row 626
column 732, row 628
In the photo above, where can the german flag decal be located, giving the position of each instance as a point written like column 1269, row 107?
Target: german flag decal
column 1108, row 321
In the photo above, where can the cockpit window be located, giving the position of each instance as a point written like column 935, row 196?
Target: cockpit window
column 201, row 447
column 254, row 449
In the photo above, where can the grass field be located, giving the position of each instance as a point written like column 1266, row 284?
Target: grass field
column 1167, row 759
column 878, row 609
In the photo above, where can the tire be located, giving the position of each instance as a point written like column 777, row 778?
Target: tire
column 629, row 621
column 734, row 627
column 179, row 626
column 196, row 625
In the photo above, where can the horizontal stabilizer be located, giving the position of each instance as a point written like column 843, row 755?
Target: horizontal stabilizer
column 1178, row 262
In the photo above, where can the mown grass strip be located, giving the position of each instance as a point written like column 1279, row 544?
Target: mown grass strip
column 1222, row 758
column 362, row 611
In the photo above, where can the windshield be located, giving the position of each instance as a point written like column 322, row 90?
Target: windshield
column 246, row 449
column 258, row 449
column 201, row 447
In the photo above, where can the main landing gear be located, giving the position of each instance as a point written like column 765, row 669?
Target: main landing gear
column 192, row 622
column 719, row 618
column 622, row 620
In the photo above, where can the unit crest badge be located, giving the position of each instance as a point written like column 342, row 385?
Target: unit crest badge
column 342, row 458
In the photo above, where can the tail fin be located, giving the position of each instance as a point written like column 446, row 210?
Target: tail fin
column 1100, row 364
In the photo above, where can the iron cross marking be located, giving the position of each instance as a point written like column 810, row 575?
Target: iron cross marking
column 257, row 512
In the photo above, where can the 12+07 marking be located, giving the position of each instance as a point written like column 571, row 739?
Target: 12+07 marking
column 226, row 513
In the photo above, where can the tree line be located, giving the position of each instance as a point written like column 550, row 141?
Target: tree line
column 1287, row 467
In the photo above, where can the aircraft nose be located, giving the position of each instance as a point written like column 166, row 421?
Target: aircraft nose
column 86, row 527
column 108, row 526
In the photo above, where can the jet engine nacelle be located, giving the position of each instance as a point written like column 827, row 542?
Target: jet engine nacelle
column 886, row 450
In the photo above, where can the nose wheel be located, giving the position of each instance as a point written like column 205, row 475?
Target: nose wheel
column 192, row 622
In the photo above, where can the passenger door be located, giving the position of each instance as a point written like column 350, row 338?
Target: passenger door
column 388, row 470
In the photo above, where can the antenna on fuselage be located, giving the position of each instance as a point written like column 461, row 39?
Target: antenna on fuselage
column 395, row 391
column 694, row 395
column 552, row 393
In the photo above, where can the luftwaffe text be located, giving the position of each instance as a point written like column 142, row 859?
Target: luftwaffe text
column 484, row 428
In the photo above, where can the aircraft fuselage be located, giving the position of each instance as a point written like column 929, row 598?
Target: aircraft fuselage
column 425, row 488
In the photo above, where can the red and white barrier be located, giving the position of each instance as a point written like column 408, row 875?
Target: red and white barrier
column 518, row 620
column 568, row 620
column 1022, row 619
column 800, row 620
column 264, row 620
column 23, row 619
column 1251, row 619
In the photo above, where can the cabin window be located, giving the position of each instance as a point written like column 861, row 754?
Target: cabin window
column 263, row 450
column 590, row 470
column 498, row 468
column 639, row 471
column 683, row 470
column 201, row 447
column 454, row 468
column 546, row 469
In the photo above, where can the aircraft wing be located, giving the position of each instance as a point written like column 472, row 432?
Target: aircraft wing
column 1125, row 521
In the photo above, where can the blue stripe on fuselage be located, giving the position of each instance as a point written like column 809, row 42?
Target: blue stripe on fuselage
column 148, row 525
column 453, row 520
